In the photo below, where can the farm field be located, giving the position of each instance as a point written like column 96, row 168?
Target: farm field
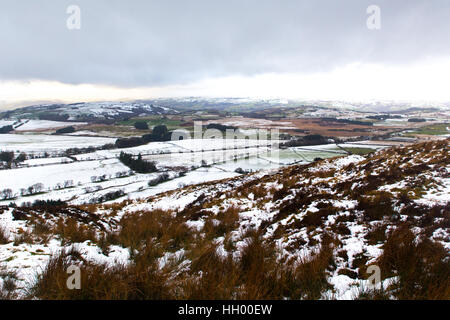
column 44, row 125
column 100, row 177
column 47, row 143
column 320, row 126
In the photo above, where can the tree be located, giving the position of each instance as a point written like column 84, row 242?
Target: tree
column 68, row 184
column 129, row 142
column 6, row 129
column 141, row 125
column 35, row 188
column 21, row 157
column 138, row 165
column 70, row 129
column 159, row 132
column 6, row 156
column 7, row 194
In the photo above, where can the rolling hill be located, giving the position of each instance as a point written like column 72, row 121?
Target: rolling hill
column 315, row 231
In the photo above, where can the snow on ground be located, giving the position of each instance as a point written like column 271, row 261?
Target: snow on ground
column 438, row 195
column 210, row 157
column 181, row 146
column 79, row 172
column 337, row 163
column 4, row 123
column 32, row 257
column 46, row 124
column 54, row 172
column 200, row 175
column 28, row 260
column 49, row 143
column 46, row 161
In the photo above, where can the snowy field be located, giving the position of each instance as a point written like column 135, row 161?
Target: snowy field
column 47, row 143
column 4, row 123
column 98, row 173
column 38, row 125
column 178, row 147
column 46, row 161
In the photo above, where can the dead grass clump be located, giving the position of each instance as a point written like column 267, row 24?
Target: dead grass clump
column 23, row 236
column 349, row 273
column 279, row 194
column 309, row 278
column 316, row 219
column 8, row 285
column 4, row 237
column 360, row 263
column 228, row 221
column 346, row 218
column 113, row 208
column 71, row 231
column 158, row 225
column 213, row 276
column 422, row 266
column 325, row 174
column 259, row 191
column 341, row 228
column 100, row 282
column 372, row 294
column 376, row 206
column 377, row 234
column 262, row 277
column 91, row 208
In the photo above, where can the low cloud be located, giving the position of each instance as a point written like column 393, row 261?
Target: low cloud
column 160, row 43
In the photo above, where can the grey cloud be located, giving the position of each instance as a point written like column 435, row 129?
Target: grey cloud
column 148, row 43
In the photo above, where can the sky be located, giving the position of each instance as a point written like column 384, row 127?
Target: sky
column 315, row 49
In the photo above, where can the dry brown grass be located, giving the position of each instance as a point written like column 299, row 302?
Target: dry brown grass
column 4, row 237
column 8, row 284
column 24, row 236
column 258, row 271
column 421, row 265
column 257, row 274
column 71, row 231
column 99, row 282
column 377, row 234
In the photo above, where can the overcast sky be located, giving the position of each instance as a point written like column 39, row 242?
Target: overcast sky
column 292, row 48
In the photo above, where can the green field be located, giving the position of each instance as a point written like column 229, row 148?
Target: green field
column 435, row 129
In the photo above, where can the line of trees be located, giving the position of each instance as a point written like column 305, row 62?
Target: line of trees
column 70, row 129
column 8, row 159
column 108, row 196
column 159, row 133
column 417, row 120
column 308, row 140
column 34, row 189
column 6, row 129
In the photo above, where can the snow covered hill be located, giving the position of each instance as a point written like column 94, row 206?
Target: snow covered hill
column 87, row 111
column 315, row 231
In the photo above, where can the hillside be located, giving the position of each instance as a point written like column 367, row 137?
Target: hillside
column 86, row 111
column 300, row 232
